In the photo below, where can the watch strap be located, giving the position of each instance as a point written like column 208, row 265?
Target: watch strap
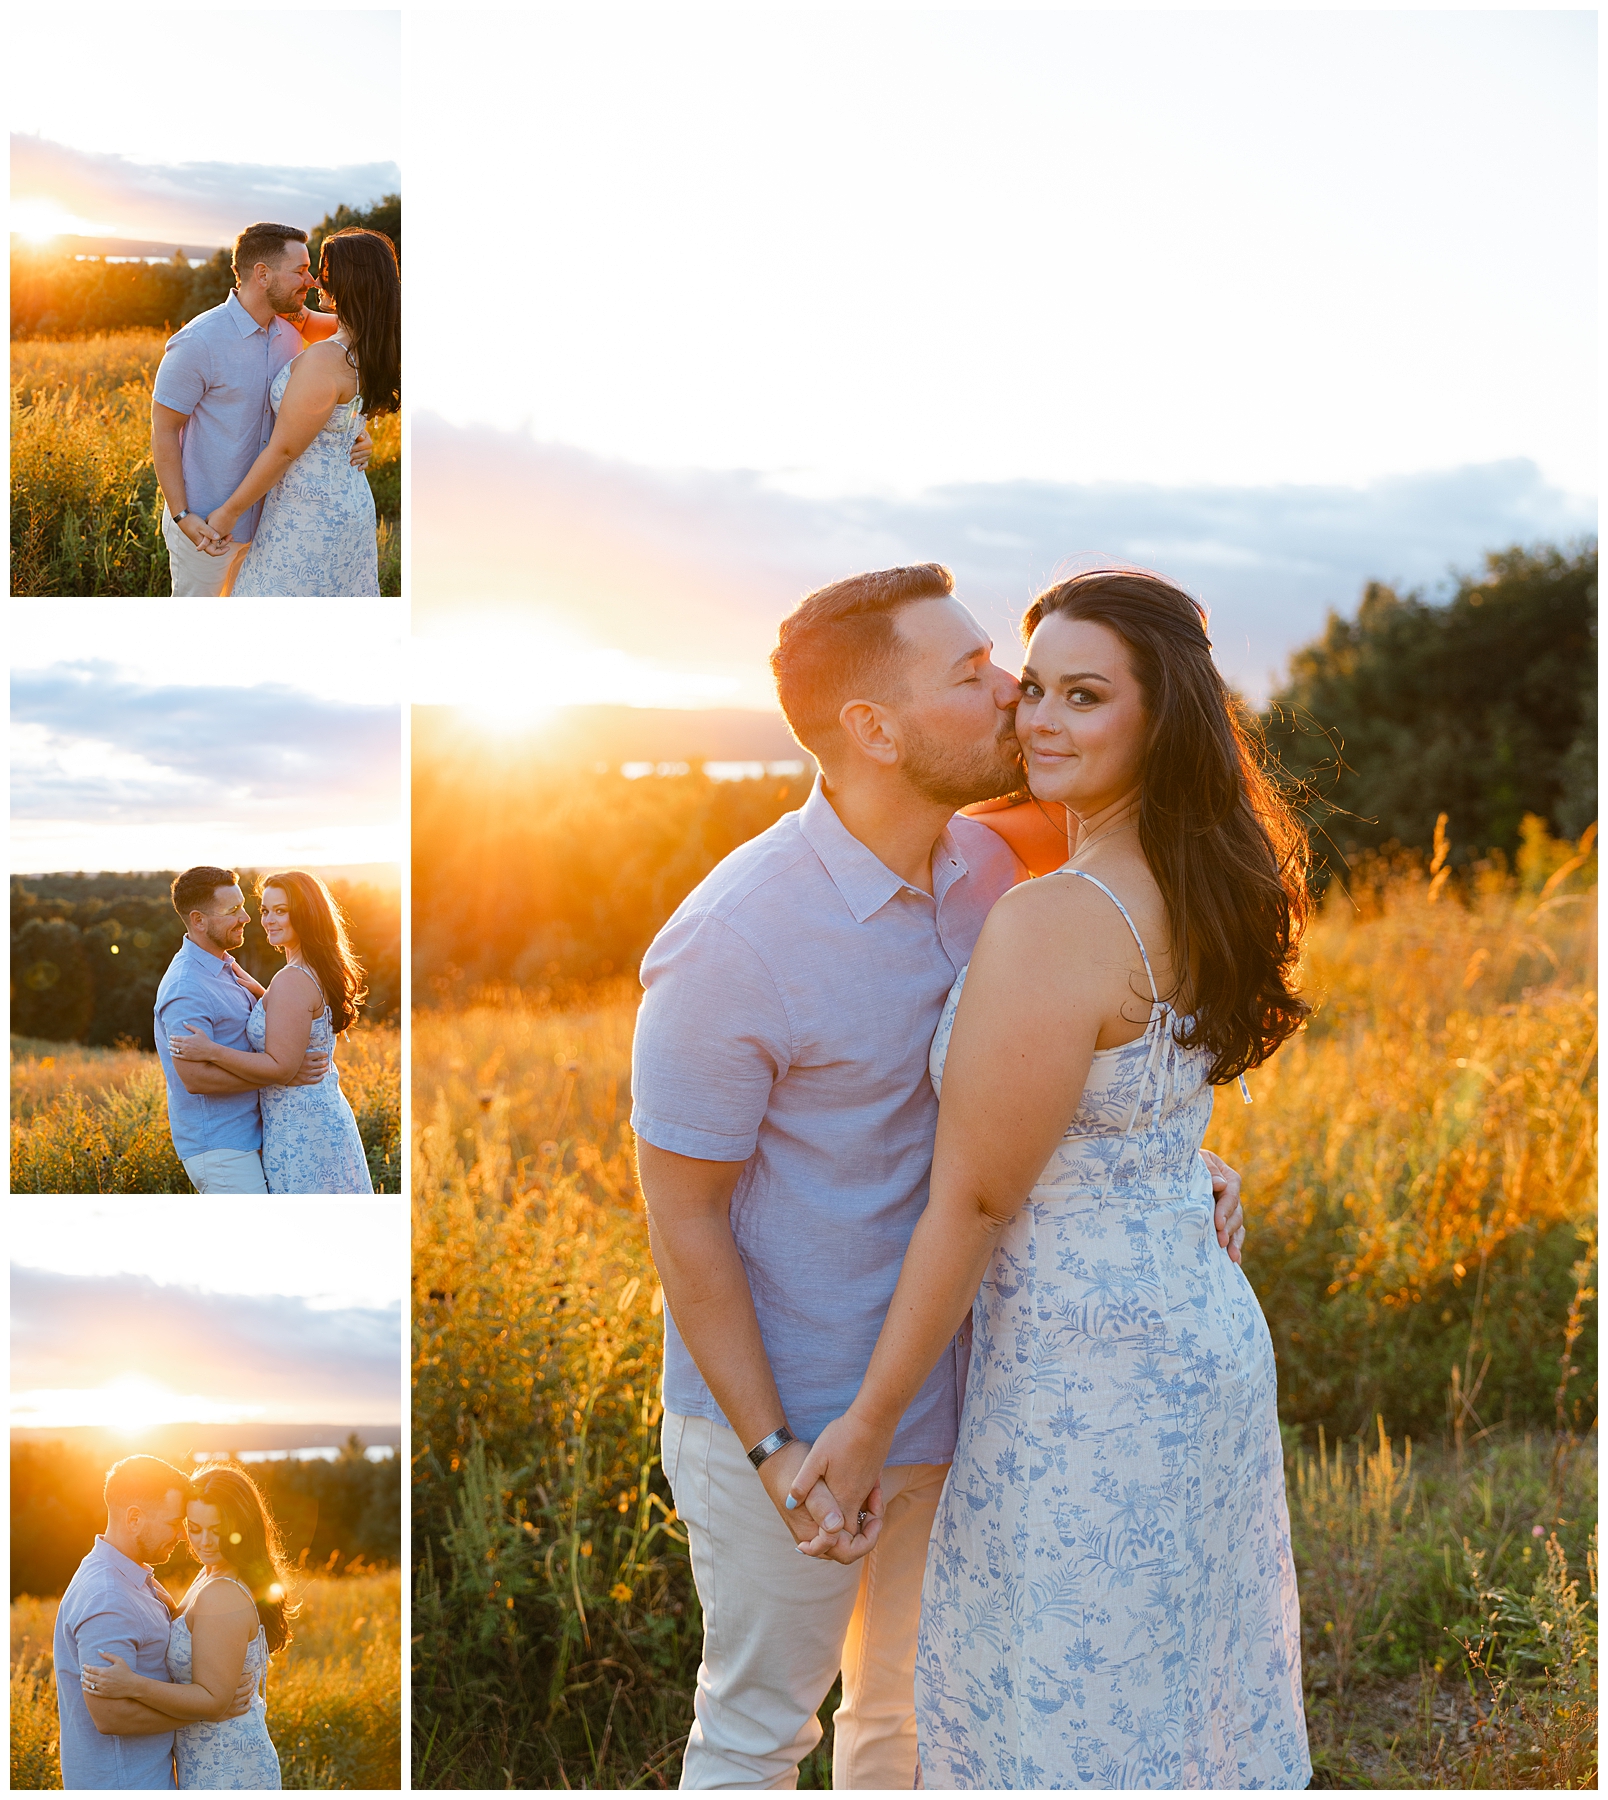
column 768, row 1446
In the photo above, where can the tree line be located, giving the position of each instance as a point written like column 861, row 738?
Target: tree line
column 330, row 1513
column 56, row 295
column 1482, row 706
column 88, row 951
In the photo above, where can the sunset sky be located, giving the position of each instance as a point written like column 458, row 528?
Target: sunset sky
column 131, row 1315
column 1275, row 301
column 154, row 136
column 278, row 742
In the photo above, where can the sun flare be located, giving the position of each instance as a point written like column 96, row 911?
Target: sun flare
column 40, row 220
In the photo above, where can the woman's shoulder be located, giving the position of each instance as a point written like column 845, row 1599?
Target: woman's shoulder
column 219, row 1599
column 293, row 979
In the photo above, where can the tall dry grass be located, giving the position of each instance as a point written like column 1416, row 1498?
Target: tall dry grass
column 86, row 512
column 334, row 1694
column 88, row 1121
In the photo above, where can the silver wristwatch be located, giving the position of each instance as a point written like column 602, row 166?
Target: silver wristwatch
column 183, row 513
column 767, row 1447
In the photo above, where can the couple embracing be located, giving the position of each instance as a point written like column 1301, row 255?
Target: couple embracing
column 257, row 419
column 254, row 1097
column 153, row 1695
column 966, row 1394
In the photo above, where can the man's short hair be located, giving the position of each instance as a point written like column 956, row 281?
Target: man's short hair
column 143, row 1481
column 196, row 888
column 840, row 644
column 263, row 244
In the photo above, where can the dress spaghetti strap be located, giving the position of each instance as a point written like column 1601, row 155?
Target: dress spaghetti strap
column 1084, row 875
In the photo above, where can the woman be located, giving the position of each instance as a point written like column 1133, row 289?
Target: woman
column 310, row 1140
column 317, row 531
column 235, row 1616
column 1110, row 1598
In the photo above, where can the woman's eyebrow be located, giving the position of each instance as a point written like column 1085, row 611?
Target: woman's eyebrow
column 1030, row 674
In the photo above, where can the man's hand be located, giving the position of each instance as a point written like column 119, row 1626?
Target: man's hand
column 1227, row 1212
column 817, row 1519
column 242, row 1696
column 849, row 1456
column 362, row 449
column 315, row 1066
column 201, row 534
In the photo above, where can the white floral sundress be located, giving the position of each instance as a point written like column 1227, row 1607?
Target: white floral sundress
column 317, row 535
column 310, row 1140
column 1110, row 1597
column 226, row 1753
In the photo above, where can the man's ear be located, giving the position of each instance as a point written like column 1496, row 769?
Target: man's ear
column 872, row 730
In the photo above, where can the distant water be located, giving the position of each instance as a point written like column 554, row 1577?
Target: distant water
column 309, row 1453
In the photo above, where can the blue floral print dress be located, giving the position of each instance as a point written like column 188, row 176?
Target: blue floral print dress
column 316, row 537
column 310, row 1140
column 1110, row 1598
column 227, row 1753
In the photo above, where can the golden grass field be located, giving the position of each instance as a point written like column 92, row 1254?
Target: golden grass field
column 334, row 1694
column 1420, row 1180
column 92, row 1121
column 86, row 515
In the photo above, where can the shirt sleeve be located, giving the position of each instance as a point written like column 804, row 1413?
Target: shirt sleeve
column 181, row 376
column 186, row 1005
column 712, row 1039
column 106, row 1631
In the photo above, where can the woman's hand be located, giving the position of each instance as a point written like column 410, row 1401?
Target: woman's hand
column 848, row 1456
column 223, row 520
column 242, row 979
column 192, row 1046
column 117, row 1681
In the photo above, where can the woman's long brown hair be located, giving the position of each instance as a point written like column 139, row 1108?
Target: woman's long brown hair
column 1227, row 851
column 320, row 924
column 357, row 269
column 251, row 1544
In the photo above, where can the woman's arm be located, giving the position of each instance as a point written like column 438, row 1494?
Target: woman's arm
column 311, row 395
column 222, row 1624
column 1047, row 973
column 289, row 1027
column 249, row 982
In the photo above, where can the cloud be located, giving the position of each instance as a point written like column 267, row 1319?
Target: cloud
column 695, row 569
column 90, row 743
column 200, row 202
column 273, row 1351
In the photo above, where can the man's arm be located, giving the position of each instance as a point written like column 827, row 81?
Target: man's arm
column 167, row 457
column 125, row 1718
column 706, row 1289
column 208, row 1078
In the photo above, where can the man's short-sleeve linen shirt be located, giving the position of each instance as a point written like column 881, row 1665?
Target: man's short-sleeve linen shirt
column 111, row 1606
column 790, row 1004
column 217, row 371
column 201, row 990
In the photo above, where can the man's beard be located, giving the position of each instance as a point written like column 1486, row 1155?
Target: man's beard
column 221, row 934
column 956, row 775
column 286, row 301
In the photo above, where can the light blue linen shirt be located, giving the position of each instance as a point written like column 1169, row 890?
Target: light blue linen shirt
column 200, row 990
column 111, row 1607
column 791, row 1001
column 217, row 370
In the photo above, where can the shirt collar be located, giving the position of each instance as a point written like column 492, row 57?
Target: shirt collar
column 866, row 883
column 210, row 964
column 123, row 1567
column 243, row 321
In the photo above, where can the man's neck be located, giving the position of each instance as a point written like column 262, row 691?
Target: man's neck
column 206, row 944
column 256, row 304
column 122, row 1541
column 898, row 827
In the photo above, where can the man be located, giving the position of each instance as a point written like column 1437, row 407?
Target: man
column 114, row 1605
column 215, row 1117
column 210, row 416
column 784, row 1122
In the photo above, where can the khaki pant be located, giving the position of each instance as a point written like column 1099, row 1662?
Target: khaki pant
column 778, row 1626
column 230, row 1172
column 194, row 572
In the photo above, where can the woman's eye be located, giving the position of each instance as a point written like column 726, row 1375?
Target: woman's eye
column 1032, row 691
column 1083, row 697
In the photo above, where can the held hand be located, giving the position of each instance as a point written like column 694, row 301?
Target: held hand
column 201, row 532
column 223, row 520
column 1228, row 1215
column 818, row 1519
column 315, row 1066
column 116, row 1681
column 191, row 1045
column 362, row 450
column 848, row 1456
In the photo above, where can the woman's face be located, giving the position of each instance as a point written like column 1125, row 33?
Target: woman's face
column 1081, row 718
column 210, row 1543
column 276, row 919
